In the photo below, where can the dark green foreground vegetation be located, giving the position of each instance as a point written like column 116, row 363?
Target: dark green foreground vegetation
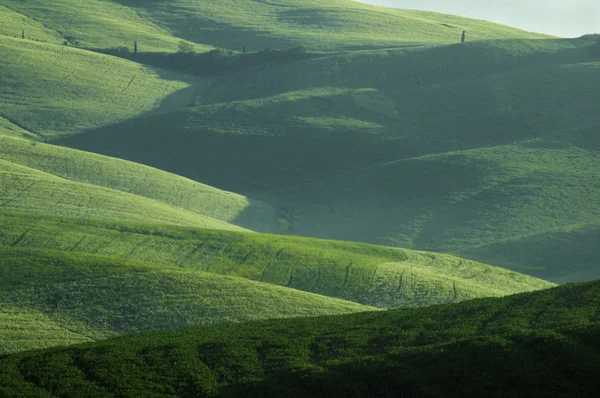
column 537, row 344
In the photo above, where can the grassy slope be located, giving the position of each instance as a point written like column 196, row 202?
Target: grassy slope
column 27, row 190
column 545, row 342
column 455, row 201
column 373, row 275
column 139, row 180
column 13, row 25
column 233, row 24
column 93, row 24
column 52, row 298
column 331, row 24
column 55, row 90
column 335, row 120
column 558, row 255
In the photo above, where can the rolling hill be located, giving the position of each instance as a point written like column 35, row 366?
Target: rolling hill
column 545, row 342
column 95, row 24
column 50, row 298
column 132, row 178
column 157, row 25
column 27, row 190
column 52, row 90
column 350, row 148
column 372, row 275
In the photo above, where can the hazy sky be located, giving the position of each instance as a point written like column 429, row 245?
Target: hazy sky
column 567, row 18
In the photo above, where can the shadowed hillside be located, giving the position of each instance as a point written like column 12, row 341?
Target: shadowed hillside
column 544, row 341
column 445, row 148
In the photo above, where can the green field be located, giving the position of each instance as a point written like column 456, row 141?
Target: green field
column 93, row 24
column 52, row 90
column 294, row 198
column 347, row 140
column 50, row 298
column 133, row 178
column 372, row 275
column 27, row 190
column 232, row 24
column 545, row 342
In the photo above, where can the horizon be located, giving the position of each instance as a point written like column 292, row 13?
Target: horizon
column 563, row 18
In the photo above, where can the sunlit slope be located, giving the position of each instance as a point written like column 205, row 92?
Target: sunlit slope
column 330, row 24
column 373, row 275
column 139, row 180
column 27, row 190
column 91, row 24
column 64, row 298
column 56, row 90
column 9, row 129
column 477, row 348
column 15, row 24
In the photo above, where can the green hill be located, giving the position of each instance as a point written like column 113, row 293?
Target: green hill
column 543, row 342
column 568, row 253
column 332, row 24
column 94, row 24
column 373, row 275
column 139, row 180
column 52, row 90
column 27, row 190
column 448, row 148
column 50, row 298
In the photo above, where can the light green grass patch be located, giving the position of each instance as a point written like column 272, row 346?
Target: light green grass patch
column 31, row 191
column 374, row 275
column 139, row 180
column 94, row 24
column 68, row 298
column 56, row 90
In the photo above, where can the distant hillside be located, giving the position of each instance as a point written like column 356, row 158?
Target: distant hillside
column 147, row 182
column 157, row 24
column 449, row 148
column 373, row 275
column 51, row 298
column 558, row 255
column 547, row 342
column 52, row 90
column 93, row 24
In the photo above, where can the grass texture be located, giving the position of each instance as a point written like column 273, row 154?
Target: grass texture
column 230, row 24
column 54, row 90
column 447, row 148
column 27, row 190
column 139, row 180
column 372, row 275
column 545, row 342
column 50, row 298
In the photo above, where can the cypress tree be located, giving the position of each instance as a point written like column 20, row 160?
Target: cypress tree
column 464, row 36
column 135, row 47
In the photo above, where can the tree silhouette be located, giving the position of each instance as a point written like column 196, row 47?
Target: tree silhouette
column 23, row 34
column 135, row 48
column 464, row 36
